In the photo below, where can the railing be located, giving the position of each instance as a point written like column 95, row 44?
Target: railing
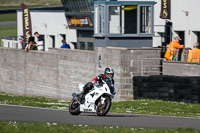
column 9, row 42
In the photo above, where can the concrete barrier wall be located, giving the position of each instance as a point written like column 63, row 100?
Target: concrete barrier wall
column 45, row 74
column 74, row 67
column 12, row 71
column 57, row 73
column 181, row 68
column 132, row 64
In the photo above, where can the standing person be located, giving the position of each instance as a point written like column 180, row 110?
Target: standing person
column 40, row 41
column 65, row 45
column 22, row 42
column 171, row 52
column 194, row 54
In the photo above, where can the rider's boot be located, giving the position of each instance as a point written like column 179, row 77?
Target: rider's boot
column 86, row 89
column 82, row 97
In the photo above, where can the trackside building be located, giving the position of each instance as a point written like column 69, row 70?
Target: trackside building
column 86, row 24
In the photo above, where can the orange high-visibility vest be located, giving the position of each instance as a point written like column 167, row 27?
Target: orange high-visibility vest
column 172, row 50
column 194, row 55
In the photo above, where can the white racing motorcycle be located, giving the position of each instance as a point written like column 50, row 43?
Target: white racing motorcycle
column 96, row 100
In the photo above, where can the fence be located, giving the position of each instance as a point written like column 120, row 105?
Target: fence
column 9, row 42
column 170, row 88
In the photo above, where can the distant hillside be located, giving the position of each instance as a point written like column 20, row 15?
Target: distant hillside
column 17, row 3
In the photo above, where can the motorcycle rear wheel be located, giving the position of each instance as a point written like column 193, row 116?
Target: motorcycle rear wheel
column 102, row 109
column 74, row 107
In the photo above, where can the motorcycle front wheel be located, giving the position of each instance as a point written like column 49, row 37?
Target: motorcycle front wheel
column 74, row 107
column 102, row 109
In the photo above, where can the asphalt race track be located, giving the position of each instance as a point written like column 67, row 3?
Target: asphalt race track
column 8, row 24
column 31, row 114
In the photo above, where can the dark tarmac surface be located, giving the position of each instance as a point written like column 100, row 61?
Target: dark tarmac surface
column 31, row 114
column 8, row 24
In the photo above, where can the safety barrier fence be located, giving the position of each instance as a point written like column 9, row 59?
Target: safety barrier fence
column 169, row 88
column 9, row 42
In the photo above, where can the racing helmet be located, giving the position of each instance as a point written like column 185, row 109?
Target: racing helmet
column 109, row 72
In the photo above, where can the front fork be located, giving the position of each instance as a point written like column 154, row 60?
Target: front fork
column 102, row 100
column 74, row 95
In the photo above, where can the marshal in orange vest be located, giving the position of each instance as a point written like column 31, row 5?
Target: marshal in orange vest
column 171, row 52
column 194, row 54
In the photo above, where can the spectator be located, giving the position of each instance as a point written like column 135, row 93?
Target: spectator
column 40, row 41
column 31, row 39
column 22, row 42
column 171, row 52
column 31, row 45
column 194, row 54
column 65, row 45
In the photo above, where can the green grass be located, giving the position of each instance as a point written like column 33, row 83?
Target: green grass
column 157, row 107
column 15, row 127
column 8, row 17
column 18, row 7
column 7, row 31
column 33, row 101
column 17, row 3
column 153, row 107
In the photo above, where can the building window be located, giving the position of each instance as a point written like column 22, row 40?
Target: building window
column 82, row 45
column 75, row 45
column 52, row 41
column 129, row 19
column 63, row 36
column 181, row 34
column 145, row 19
column 99, row 17
column 198, row 36
column 96, row 12
column 123, row 20
column 114, row 19
column 90, row 46
column 102, row 22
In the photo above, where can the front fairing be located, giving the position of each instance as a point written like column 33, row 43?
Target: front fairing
column 110, row 84
column 96, row 93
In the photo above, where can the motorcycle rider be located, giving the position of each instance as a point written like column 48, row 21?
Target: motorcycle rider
column 108, row 74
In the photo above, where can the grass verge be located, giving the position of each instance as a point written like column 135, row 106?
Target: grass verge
column 7, row 127
column 33, row 101
column 17, row 3
column 157, row 107
column 153, row 107
column 8, row 17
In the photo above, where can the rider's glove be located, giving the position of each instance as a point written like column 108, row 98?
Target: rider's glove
column 114, row 92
